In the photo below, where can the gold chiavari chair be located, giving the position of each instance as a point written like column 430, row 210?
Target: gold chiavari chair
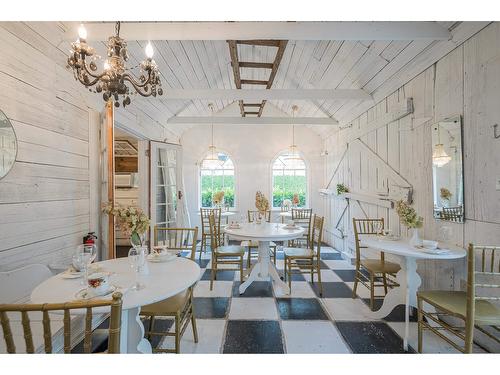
column 473, row 306
column 306, row 260
column 284, row 208
column 24, row 309
column 205, row 225
column 180, row 306
column 376, row 268
column 303, row 218
column 251, row 245
column 452, row 214
column 223, row 255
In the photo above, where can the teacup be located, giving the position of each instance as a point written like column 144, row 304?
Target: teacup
column 431, row 245
column 98, row 283
column 290, row 223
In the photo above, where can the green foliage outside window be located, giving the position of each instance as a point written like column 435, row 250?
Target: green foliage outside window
column 211, row 184
column 284, row 187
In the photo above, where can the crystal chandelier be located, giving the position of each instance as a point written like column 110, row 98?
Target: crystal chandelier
column 439, row 155
column 116, row 80
column 212, row 161
column 293, row 159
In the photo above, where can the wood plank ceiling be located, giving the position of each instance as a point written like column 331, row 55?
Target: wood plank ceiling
column 304, row 64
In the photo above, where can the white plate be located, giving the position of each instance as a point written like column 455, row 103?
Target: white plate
column 161, row 259
column 391, row 238
column 72, row 275
column 85, row 294
column 435, row 251
column 291, row 227
column 233, row 227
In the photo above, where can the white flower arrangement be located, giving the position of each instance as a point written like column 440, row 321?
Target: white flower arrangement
column 131, row 220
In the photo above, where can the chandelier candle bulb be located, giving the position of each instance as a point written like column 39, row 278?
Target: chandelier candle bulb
column 149, row 51
column 82, row 33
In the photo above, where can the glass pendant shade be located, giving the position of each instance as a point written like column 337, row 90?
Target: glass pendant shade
column 212, row 160
column 439, row 156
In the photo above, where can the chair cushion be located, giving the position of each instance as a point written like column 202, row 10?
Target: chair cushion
column 230, row 250
column 167, row 306
column 456, row 302
column 298, row 252
column 255, row 244
column 377, row 266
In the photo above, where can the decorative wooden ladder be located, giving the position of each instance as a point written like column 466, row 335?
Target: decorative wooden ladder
column 237, row 65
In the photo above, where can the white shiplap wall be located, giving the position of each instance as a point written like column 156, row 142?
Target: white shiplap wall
column 45, row 199
column 464, row 82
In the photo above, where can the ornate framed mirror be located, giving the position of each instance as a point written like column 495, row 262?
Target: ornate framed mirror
column 447, row 170
column 8, row 145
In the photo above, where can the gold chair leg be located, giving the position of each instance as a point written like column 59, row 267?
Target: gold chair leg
column 312, row 273
column 372, row 290
column 319, row 282
column 241, row 269
column 384, row 277
column 355, row 288
column 284, row 268
column 290, row 274
column 420, row 322
column 214, row 271
column 249, row 260
column 151, row 327
column 193, row 322
column 177, row 334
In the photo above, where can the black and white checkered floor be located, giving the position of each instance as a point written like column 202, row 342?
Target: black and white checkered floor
column 263, row 320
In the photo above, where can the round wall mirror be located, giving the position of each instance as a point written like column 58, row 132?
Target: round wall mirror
column 8, row 145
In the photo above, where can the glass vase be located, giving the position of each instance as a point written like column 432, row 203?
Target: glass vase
column 415, row 240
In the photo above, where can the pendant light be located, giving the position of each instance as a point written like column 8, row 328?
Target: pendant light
column 293, row 159
column 439, row 155
column 212, row 160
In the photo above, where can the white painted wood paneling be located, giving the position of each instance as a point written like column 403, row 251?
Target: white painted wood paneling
column 465, row 81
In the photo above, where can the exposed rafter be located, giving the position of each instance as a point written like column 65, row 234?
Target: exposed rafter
column 252, row 120
column 268, row 31
column 256, row 95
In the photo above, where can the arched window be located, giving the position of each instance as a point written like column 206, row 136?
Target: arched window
column 289, row 176
column 217, row 175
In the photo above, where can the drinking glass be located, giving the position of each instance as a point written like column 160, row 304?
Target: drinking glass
column 136, row 260
column 445, row 233
column 80, row 263
column 377, row 228
column 88, row 253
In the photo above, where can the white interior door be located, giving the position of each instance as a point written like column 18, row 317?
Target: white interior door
column 166, row 189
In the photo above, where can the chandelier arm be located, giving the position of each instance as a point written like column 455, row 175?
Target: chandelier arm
column 91, row 83
column 98, row 76
column 129, row 77
column 137, row 87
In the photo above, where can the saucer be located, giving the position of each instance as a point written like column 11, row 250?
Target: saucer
column 88, row 294
column 290, row 226
column 72, row 274
column 161, row 258
column 234, row 226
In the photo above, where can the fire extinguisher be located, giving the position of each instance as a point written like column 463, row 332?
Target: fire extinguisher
column 89, row 239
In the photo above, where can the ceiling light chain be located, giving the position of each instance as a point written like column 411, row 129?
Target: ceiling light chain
column 115, row 79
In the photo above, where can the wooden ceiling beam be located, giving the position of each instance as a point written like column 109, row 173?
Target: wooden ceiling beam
column 233, row 52
column 252, row 120
column 276, row 64
column 253, row 82
column 258, row 65
column 254, row 95
column 270, row 31
column 260, row 42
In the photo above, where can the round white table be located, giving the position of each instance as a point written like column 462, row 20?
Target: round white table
column 264, row 233
column 164, row 280
column 408, row 279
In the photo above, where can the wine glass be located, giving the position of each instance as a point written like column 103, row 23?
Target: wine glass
column 80, row 263
column 136, row 259
column 87, row 253
column 377, row 228
column 445, row 233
